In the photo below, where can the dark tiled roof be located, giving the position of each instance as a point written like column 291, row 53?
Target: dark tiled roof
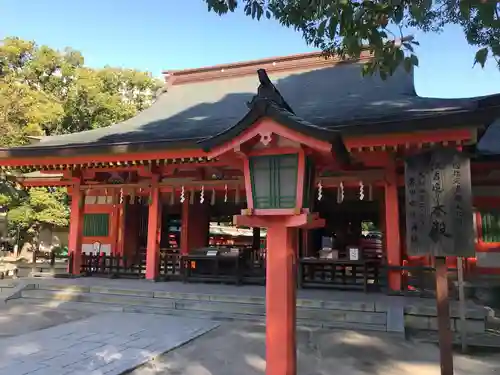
column 335, row 97
column 489, row 144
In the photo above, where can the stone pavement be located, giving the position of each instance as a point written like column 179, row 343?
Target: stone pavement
column 239, row 349
column 18, row 319
column 108, row 343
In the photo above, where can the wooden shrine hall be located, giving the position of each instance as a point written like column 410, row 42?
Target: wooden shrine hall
column 300, row 140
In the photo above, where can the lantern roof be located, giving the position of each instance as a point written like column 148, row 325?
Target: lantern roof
column 269, row 103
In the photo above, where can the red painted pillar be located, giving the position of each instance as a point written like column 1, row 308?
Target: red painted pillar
column 392, row 235
column 281, row 277
column 76, row 228
column 154, row 233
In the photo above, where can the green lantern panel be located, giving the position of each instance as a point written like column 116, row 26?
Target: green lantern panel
column 274, row 181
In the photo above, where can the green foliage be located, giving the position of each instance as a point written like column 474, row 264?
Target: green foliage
column 41, row 207
column 347, row 27
column 44, row 91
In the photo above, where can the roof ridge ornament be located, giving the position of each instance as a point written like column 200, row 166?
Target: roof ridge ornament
column 268, row 92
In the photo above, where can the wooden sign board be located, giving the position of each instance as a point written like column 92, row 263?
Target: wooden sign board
column 439, row 217
column 353, row 253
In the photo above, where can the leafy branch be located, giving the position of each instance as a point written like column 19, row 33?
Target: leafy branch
column 346, row 28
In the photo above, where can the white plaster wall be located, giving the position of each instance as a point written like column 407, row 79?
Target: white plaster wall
column 101, row 199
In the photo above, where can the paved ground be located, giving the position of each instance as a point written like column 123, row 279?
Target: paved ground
column 90, row 343
column 240, row 349
column 17, row 319
column 108, row 343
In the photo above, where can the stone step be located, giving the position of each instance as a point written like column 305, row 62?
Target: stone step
column 49, row 274
column 243, row 299
column 216, row 316
column 473, row 312
column 210, row 308
column 393, row 317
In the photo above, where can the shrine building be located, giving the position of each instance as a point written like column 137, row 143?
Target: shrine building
column 144, row 192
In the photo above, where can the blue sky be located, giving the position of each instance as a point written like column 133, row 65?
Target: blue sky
column 155, row 35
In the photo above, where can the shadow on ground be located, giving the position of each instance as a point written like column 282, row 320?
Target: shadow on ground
column 240, row 349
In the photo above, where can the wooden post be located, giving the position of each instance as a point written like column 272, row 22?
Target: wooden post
column 76, row 228
column 443, row 316
column 392, row 235
column 153, row 242
column 461, row 297
column 281, row 354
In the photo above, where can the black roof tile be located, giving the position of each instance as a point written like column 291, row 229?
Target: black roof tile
column 335, row 98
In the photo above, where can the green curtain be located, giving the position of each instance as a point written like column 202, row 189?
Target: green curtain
column 96, row 225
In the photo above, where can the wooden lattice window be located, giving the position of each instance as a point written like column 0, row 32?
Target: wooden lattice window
column 96, row 225
column 490, row 226
column 274, row 181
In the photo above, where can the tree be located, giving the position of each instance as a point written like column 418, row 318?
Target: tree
column 44, row 91
column 347, row 27
column 41, row 207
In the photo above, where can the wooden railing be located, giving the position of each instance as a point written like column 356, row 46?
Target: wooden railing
column 112, row 266
column 171, row 265
column 226, row 269
column 250, row 268
column 340, row 274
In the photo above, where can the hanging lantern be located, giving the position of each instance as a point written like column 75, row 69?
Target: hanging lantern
column 320, row 191
column 361, row 191
column 225, row 193
column 183, row 198
column 212, row 201
column 202, row 194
